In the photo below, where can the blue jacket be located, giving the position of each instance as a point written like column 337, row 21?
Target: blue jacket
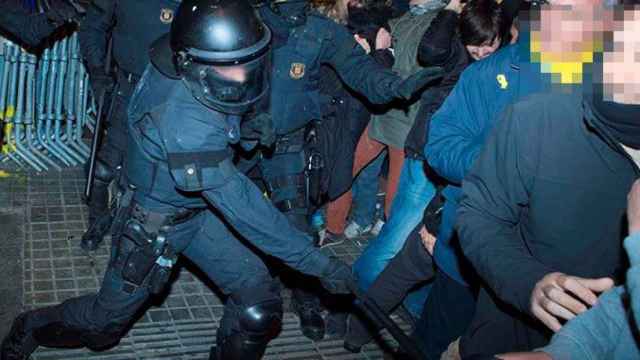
column 460, row 127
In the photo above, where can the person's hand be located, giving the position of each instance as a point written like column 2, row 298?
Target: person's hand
column 455, row 5
column 62, row 11
column 559, row 296
column 363, row 43
column 538, row 355
column 633, row 208
column 100, row 82
column 259, row 127
column 337, row 277
column 428, row 240
column 383, row 39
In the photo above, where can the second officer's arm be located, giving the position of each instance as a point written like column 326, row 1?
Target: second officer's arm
column 364, row 75
column 94, row 34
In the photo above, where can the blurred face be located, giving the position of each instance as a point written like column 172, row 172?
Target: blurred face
column 234, row 73
column 565, row 36
column 621, row 67
column 479, row 52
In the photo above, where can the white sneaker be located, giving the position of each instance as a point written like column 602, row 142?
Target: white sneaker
column 377, row 227
column 354, row 230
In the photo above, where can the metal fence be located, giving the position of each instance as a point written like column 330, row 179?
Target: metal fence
column 44, row 105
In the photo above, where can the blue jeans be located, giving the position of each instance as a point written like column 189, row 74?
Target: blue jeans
column 415, row 191
column 365, row 191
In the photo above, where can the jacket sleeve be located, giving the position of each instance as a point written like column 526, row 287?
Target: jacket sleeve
column 249, row 212
column 596, row 333
column 28, row 28
column 495, row 196
column 94, row 33
column 455, row 138
column 357, row 69
column 440, row 46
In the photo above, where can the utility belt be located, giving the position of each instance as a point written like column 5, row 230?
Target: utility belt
column 305, row 142
column 145, row 256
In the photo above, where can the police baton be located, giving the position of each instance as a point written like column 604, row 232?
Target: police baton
column 98, row 128
column 376, row 314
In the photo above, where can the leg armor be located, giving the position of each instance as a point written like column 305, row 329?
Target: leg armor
column 99, row 213
column 252, row 317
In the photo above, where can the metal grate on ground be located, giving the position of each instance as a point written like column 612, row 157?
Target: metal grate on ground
column 179, row 326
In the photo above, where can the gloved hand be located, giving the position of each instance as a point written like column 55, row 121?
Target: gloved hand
column 406, row 88
column 100, row 82
column 258, row 127
column 62, row 11
column 337, row 277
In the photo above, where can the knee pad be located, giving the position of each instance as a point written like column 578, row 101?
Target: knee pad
column 251, row 319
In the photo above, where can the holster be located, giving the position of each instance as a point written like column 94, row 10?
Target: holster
column 143, row 253
column 314, row 164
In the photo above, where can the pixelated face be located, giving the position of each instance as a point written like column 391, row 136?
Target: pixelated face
column 621, row 61
column 565, row 35
column 482, row 51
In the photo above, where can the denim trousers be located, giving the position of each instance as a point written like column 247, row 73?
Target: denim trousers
column 415, row 191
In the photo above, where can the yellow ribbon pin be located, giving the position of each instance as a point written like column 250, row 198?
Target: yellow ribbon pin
column 502, row 80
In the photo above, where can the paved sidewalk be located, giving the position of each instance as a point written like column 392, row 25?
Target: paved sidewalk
column 42, row 219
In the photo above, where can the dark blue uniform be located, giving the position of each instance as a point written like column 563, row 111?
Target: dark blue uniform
column 133, row 26
column 296, row 100
column 178, row 166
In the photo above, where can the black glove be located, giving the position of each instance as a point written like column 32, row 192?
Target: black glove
column 258, row 127
column 337, row 277
column 100, row 82
column 62, row 11
column 406, row 88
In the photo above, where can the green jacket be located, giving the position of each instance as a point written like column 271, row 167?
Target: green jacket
column 392, row 127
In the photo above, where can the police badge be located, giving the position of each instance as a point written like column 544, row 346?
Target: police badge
column 297, row 71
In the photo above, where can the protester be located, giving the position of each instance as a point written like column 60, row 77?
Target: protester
column 527, row 220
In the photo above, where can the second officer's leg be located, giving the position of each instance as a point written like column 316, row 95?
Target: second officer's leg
column 253, row 309
column 284, row 174
column 109, row 159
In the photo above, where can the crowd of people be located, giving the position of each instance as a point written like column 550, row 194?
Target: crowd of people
column 505, row 136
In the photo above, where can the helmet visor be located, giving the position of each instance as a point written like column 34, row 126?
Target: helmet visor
column 233, row 87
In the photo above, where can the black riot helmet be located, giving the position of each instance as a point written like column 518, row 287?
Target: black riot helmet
column 221, row 50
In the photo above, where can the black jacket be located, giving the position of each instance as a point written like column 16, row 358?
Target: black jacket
column 440, row 46
column 348, row 113
column 547, row 193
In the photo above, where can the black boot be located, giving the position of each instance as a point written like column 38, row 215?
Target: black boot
column 19, row 342
column 99, row 217
column 311, row 321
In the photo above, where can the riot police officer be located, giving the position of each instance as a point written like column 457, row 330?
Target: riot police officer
column 132, row 26
column 32, row 28
column 183, row 191
column 303, row 40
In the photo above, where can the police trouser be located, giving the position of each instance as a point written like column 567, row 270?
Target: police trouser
column 112, row 148
column 284, row 173
column 252, row 313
